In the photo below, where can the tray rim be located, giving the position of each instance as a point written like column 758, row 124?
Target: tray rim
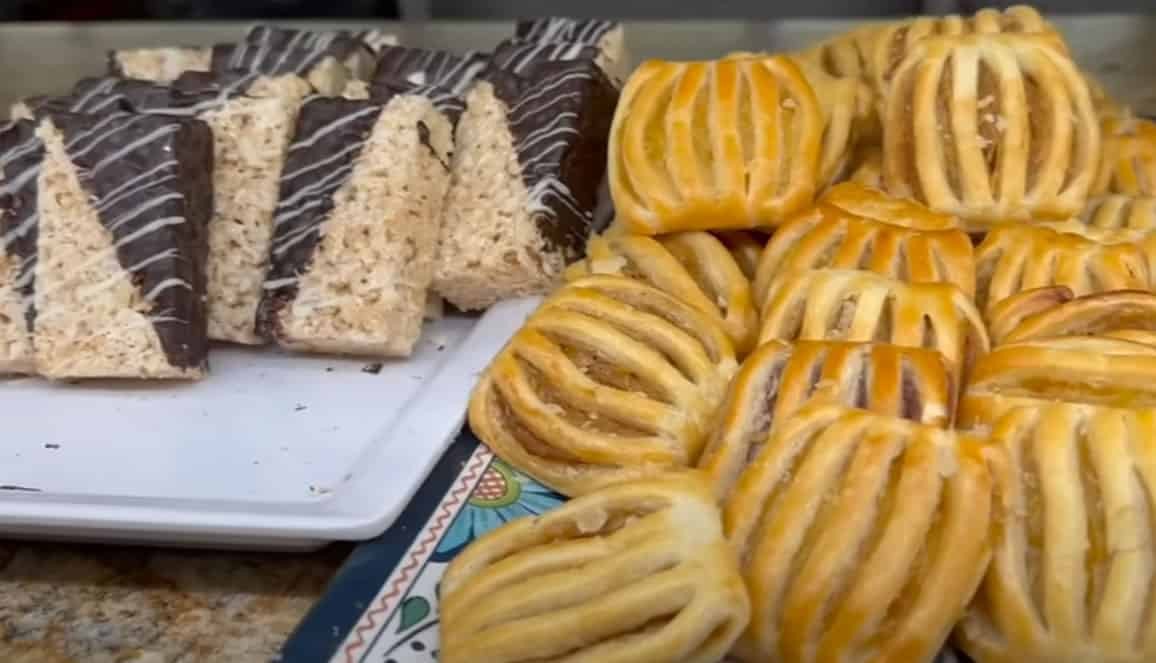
column 435, row 413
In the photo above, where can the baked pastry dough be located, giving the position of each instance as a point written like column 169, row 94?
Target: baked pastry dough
column 780, row 378
column 635, row 572
column 746, row 246
column 893, row 42
column 1056, row 311
column 1013, row 259
column 693, row 266
column 1073, row 369
column 849, row 112
column 846, row 55
column 867, row 167
column 731, row 143
column 850, row 305
column 832, row 235
column 862, row 537
column 1128, row 164
column 610, row 380
column 1120, row 212
column 991, row 128
column 1071, row 576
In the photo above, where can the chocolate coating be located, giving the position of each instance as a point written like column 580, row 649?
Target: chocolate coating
column 330, row 135
column 420, row 66
column 582, row 31
column 520, row 55
column 559, row 116
column 21, row 154
column 142, row 171
column 274, row 51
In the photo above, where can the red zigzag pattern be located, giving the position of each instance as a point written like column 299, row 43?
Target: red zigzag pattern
column 416, row 556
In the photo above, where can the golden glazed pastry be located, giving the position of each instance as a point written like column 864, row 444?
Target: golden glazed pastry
column 746, row 246
column 862, row 537
column 831, row 236
column 609, row 380
column 1128, row 164
column 631, row 573
column 780, row 378
column 867, row 167
column 851, row 305
column 991, row 128
column 849, row 113
column 1072, row 369
column 1121, row 212
column 1119, row 219
column 694, row 266
column 726, row 144
column 895, row 41
column 1071, row 580
column 1057, row 311
column 1143, row 336
column 1013, row 259
column 846, row 55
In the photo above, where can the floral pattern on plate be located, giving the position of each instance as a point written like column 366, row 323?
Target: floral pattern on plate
column 469, row 494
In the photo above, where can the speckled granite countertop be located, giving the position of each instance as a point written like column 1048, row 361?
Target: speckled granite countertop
column 81, row 604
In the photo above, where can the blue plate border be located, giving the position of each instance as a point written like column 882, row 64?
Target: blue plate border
column 328, row 623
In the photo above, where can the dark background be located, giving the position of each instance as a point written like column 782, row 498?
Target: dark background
column 79, row 10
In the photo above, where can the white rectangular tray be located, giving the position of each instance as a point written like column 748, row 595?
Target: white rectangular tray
column 270, row 451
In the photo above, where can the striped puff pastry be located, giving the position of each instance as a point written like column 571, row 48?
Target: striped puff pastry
column 696, row 267
column 854, row 227
column 745, row 246
column 1056, row 311
column 1091, row 370
column 725, row 144
column 862, row 537
column 1074, row 564
column 991, row 128
column 893, row 42
column 1118, row 219
column 1015, row 258
column 609, row 380
column 780, row 378
column 1128, row 164
column 634, row 572
column 851, row 305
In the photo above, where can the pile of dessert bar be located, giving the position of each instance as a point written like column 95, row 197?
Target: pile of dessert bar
column 324, row 191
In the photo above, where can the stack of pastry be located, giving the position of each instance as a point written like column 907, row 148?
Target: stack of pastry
column 943, row 419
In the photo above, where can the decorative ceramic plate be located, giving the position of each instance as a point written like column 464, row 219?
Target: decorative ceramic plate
column 382, row 607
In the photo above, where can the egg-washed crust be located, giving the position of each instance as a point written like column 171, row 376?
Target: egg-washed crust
column 957, row 103
column 1091, row 370
column 634, row 572
column 851, row 305
column 862, row 536
column 1015, row 258
column 1056, row 311
column 696, row 267
column 677, row 156
column 609, row 380
column 857, row 228
column 780, row 378
column 1071, row 575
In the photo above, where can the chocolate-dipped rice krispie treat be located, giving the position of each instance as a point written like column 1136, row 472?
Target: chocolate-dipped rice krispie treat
column 252, row 120
column 20, row 155
column 357, row 226
column 529, row 154
column 422, row 66
column 440, row 76
column 607, row 37
column 326, row 59
column 123, row 204
column 160, row 65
